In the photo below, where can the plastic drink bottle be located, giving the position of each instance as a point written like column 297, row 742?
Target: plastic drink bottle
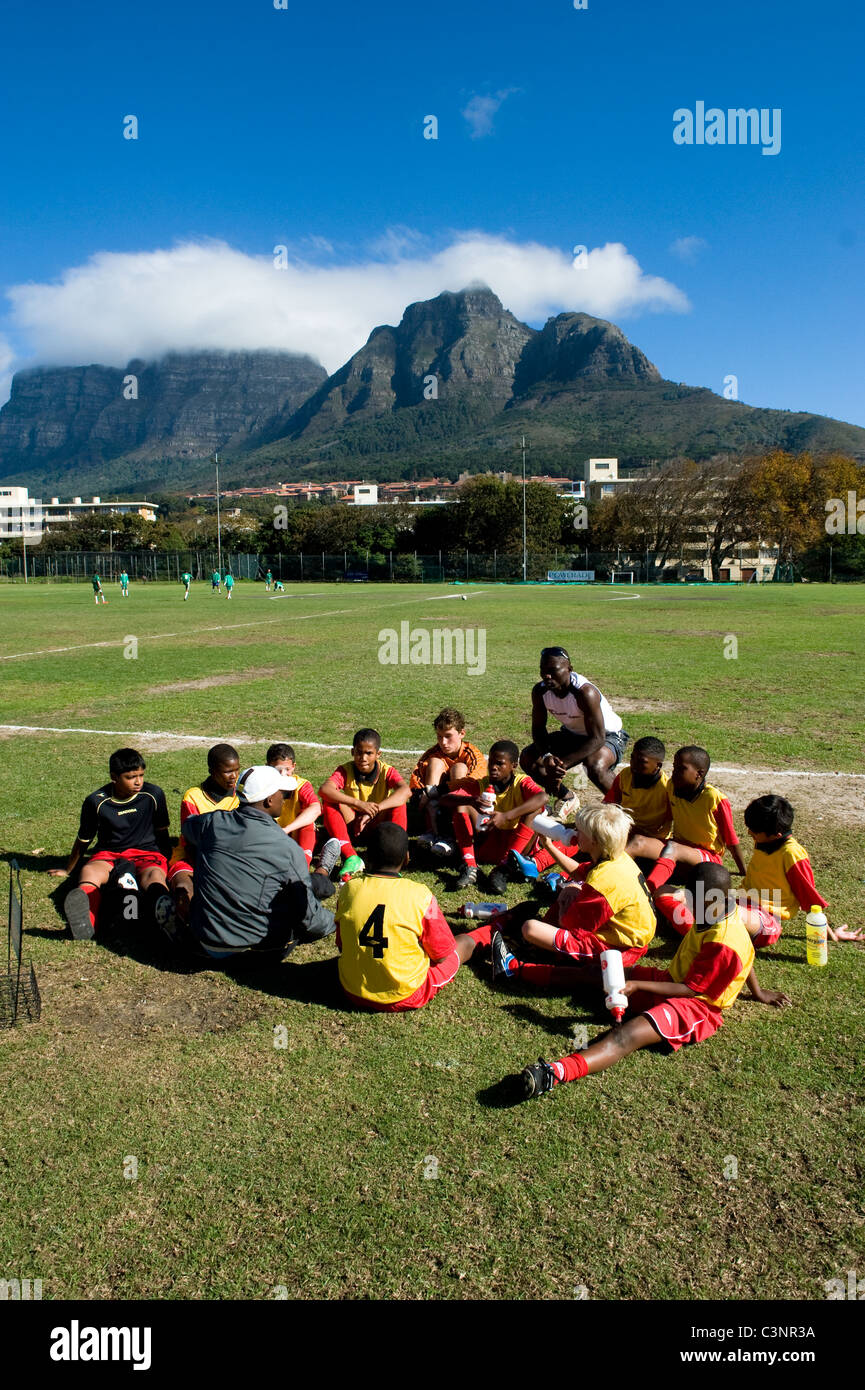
column 816, row 937
column 614, row 982
column 553, row 829
column 482, row 911
column 487, row 806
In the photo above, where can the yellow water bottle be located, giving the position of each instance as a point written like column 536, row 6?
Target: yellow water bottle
column 816, row 937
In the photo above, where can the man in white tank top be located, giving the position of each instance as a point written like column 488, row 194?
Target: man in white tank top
column 590, row 732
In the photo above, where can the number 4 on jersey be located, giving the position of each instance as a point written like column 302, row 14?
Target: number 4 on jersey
column 372, row 933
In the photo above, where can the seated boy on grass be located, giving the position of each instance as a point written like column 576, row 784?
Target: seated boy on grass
column 610, row 908
column 360, row 794
column 396, row 949
column 443, row 770
column 508, row 827
column 702, row 826
column 302, row 807
column 684, row 1004
column 128, row 817
column 216, row 793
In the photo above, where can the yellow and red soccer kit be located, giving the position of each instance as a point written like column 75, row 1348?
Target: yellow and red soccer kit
column 198, row 801
column 389, row 930
column 780, row 872
column 705, row 823
column 649, row 806
column 380, row 784
column 297, row 801
column 713, row 961
column 493, row 846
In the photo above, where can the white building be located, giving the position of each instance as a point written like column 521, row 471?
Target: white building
column 55, row 510
column 20, row 515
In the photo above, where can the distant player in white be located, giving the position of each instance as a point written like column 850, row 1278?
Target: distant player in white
column 590, row 732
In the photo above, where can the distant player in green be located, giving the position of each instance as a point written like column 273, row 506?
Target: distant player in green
column 268, row 580
column 215, row 581
column 278, row 587
column 229, row 585
column 186, row 579
column 124, row 584
column 97, row 590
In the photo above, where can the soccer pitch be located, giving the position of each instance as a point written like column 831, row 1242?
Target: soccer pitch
column 367, row 1158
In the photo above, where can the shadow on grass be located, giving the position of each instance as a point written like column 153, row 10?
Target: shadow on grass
column 560, row 1027
column 502, row 1095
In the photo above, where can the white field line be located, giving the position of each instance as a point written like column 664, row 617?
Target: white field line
column 346, row 747
column 224, row 627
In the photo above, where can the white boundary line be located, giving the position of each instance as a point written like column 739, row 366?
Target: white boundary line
column 346, row 747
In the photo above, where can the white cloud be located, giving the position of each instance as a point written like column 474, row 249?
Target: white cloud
column 7, row 359
column 688, row 248
column 207, row 295
column 481, row 110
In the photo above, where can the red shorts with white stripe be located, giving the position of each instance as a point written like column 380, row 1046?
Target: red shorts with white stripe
column 770, row 929
column 584, row 946
column 437, row 977
column 139, row 858
column 179, row 866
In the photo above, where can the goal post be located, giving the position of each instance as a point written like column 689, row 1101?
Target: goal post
column 622, row 577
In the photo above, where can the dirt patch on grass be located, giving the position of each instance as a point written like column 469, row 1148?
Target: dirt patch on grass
column 644, row 706
column 208, row 682
column 162, row 1004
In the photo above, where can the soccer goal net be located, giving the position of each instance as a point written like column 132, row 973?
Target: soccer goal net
column 622, row 577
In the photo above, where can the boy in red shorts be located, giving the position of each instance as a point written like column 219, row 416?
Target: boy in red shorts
column 611, row 907
column 396, row 949
column 682, row 1005
column 129, row 819
column 360, row 794
column 216, row 793
column 518, row 800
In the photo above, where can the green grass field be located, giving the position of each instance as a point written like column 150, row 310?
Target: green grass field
column 311, row 1167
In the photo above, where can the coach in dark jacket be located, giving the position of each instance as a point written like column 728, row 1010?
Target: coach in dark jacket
column 252, row 883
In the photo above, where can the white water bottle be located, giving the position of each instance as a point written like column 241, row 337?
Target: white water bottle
column 816, row 937
column 614, row 983
column 487, row 805
column 482, row 911
column 553, row 829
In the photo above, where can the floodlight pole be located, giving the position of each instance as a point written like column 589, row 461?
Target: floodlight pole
column 525, row 556
column 218, row 519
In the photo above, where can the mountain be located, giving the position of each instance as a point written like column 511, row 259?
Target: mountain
column 452, row 387
column 70, row 422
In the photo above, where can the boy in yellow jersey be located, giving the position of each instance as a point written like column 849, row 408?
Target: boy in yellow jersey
column 682, row 1005
column 302, row 807
column 489, row 840
column 611, row 907
column 396, row 951
column 360, row 794
column 216, row 793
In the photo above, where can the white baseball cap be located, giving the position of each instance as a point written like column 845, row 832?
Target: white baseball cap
column 258, row 783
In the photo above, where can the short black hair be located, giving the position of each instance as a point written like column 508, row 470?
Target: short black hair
column 505, row 746
column 221, row 753
column 386, row 846
column 278, row 752
column 125, row 760
column 652, row 747
column 367, row 736
column 770, row 815
column 695, row 755
column 716, row 885
column 553, row 651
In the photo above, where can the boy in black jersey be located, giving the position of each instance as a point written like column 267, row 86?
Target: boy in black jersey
column 129, row 819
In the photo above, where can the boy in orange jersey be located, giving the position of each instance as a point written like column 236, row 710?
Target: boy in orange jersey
column 518, row 799
column 611, row 907
column 216, row 793
column 702, row 825
column 396, row 949
column 682, row 1005
column 359, row 794
column 443, row 771
column 302, row 807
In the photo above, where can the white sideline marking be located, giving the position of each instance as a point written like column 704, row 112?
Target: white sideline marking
column 224, row 627
column 346, row 747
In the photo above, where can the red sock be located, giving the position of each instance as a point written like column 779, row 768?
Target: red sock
column 543, row 976
column 663, row 870
column 94, row 895
column 676, row 912
column 465, row 837
column 518, row 840
column 336, row 828
column 483, row 935
column 571, row 1068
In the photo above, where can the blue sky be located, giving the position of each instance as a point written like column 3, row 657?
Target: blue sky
column 304, row 128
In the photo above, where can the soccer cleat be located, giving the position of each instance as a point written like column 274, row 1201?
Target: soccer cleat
column 467, row 878
column 501, row 957
column 443, row 849
column 527, row 867
column 76, row 910
column 498, row 880
column 330, row 855
column 566, row 806
column 352, row 865
column 427, row 840
column 322, row 885
column 537, row 1079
